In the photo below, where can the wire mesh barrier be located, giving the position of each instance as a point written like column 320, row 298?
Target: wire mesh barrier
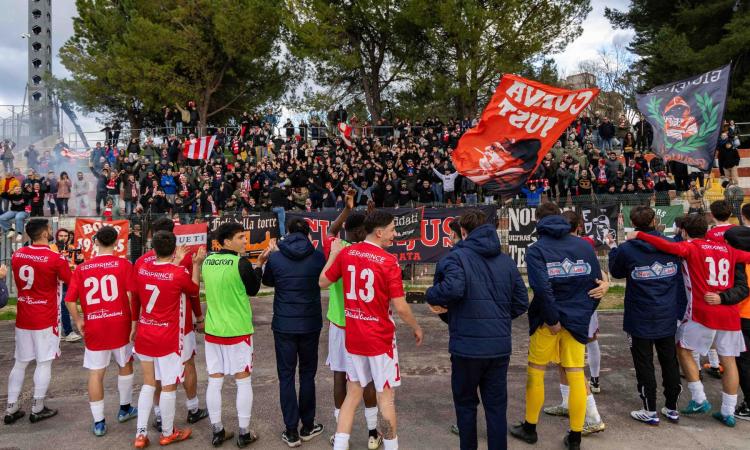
column 601, row 215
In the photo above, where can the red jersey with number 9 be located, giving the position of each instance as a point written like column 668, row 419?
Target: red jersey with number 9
column 708, row 267
column 161, row 289
column 371, row 278
column 101, row 284
column 38, row 271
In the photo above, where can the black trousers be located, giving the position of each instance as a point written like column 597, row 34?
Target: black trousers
column 489, row 376
column 643, row 360
column 290, row 348
column 101, row 199
column 743, row 361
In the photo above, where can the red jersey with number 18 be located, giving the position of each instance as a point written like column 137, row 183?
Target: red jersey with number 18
column 101, row 284
column 161, row 289
column 38, row 271
column 708, row 267
column 371, row 278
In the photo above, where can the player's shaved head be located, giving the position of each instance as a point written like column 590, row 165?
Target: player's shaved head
column 164, row 243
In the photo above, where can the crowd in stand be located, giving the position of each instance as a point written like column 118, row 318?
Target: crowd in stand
column 394, row 163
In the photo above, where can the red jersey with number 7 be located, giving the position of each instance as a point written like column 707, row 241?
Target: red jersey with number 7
column 707, row 267
column 371, row 278
column 161, row 290
column 101, row 284
column 38, row 273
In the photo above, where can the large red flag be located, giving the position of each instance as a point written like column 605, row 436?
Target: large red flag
column 517, row 128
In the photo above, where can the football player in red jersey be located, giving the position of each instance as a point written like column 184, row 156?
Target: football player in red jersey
column 161, row 290
column 372, row 282
column 710, row 271
column 102, row 286
column 190, row 382
column 38, row 273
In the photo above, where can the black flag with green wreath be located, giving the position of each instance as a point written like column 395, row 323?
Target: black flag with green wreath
column 686, row 117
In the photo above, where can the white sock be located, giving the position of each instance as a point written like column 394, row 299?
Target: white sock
column 697, row 358
column 145, row 401
column 244, row 402
column 341, row 441
column 713, row 360
column 157, row 410
column 97, row 410
column 390, row 444
column 728, row 404
column 595, row 358
column 167, row 402
column 125, row 386
column 336, row 412
column 592, row 413
column 371, row 416
column 15, row 384
column 213, row 400
column 192, row 403
column 42, row 376
column 696, row 392
column 565, row 393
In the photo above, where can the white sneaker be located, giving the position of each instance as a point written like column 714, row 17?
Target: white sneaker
column 73, row 337
column 646, row 417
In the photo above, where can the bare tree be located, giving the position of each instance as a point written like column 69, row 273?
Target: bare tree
column 616, row 75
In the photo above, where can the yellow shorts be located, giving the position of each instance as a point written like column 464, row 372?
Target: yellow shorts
column 560, row 348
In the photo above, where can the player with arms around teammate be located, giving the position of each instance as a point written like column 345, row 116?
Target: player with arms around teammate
column 230, row 281
column 101, row 284
column 372, row 282
column 37, row 272
column 190, row 382
column 162, row 289
column 710, row 272
column 353, row 223
column 562, row 269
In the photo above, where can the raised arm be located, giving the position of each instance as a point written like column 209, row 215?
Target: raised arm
column 337, row 224
column 681, row 249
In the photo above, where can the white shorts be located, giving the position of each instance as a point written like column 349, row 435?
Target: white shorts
column 698, row 338
column 593, row 325
column 188, row 346
column 40, row 345
column 229, row 359
column 169, row 369
column 336, row 348
column 382, row 370
column 99, row 359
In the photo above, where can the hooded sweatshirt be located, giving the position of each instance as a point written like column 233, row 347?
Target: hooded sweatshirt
column 483, row 291
column 294, row 271
column 562, row 269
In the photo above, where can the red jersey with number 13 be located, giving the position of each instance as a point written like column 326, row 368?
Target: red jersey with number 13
column 708, row 267
column 371, row 278
column 101, row 284
column 161, row 289
column 38, row 271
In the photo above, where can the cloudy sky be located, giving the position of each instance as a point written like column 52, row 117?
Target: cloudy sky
column 13, row 23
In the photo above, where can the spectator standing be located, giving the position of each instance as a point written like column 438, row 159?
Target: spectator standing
column 64, row 186
column 81, row 190
column 606, row 134
column 729, row 158
column 477, row 281
column 8, row 156
column 32, row 157
column 293, row 271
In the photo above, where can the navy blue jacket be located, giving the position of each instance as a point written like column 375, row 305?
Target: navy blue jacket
column 652, row 292
column 562, row 269
column 293, row 271
column 483, row 291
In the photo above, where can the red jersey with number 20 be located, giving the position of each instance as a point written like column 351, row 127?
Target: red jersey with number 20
column 101, row 284
column 161, row 289
column 371, row 278
column 708, row 267
column 38, row 271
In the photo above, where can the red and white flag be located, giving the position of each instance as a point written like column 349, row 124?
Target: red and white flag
column 199, row 148
column 346, row 133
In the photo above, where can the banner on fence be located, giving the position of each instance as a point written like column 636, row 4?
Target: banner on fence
column 432, row 243
column 260, row 228
column 521, row 233
column 85, row 229
column 599, row 221
column 192, row 236
column 686, row 116
column 665, row 217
